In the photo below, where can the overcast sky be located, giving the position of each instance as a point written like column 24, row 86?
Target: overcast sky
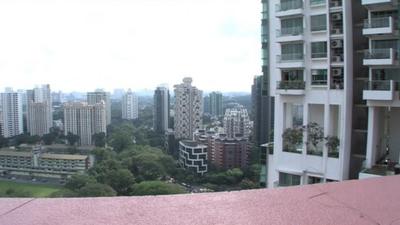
column 80, row 45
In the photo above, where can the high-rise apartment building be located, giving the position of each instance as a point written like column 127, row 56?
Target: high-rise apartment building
column 161, row 110
column 97, row 97
column 381, row 90
column 84, row 120
column 188, row 109
column 130, row 106
column 193, row 156
column 39, row 110
column 236, row 122
column 259, row 107
column 216, row 108
column 315, row 66
column 12, row 118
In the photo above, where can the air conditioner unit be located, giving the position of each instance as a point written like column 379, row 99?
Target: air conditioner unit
column 335, row 4
column 336, row 16
column 337, row 58
column 337, row 43
column 336, row 31
column 337, row 72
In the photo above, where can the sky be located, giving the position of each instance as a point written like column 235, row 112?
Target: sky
column 81, row 45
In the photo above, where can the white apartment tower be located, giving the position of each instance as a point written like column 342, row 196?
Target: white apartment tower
column 97, row 97
column 188, row 109
column 314, row 62
column 39, row 110
column 84, row 120
column 381, row 92
column 12, row 117
column 236, row 122
column 130, row 107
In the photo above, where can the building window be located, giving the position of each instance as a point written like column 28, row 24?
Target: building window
column 286, row 179
column 319, row 77
column 314, row 180
column 318, row 22
column 319, row 49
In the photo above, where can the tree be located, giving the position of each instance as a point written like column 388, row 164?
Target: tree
column 96, row 190
column 102, row 154
column 3, row 141
column 120, row 180
column 120, row 141
column 292, row 138
column 315, row 134
column 253, row 172
column 156, row 188
column 76, row 182
column 99, row 139
column 248, row 184
column 72, row 138
column 48, row 139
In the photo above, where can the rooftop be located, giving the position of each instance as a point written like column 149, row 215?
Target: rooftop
column 370, row 201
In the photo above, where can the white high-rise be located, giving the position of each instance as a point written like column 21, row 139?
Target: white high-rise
column 84, row 120
column 314, row 68
column 130, row 106
column 236, row 122
column 188, row 109
column 12, row 117
column 39, row 110
column 381, row 93
column 97, row 97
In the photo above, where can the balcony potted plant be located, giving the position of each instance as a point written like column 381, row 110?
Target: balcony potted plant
column 315, row 135
column 292, row 139
column 332, row 143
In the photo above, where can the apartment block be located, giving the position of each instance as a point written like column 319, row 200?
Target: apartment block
column 216, row 107
column 99, row 96
column 39, row 110
column 12, row 116
column 161, row 110
column 237, row 122
column 130, row 106
column 188, row 109
column 84, row 120
column 193, row 156
column 381, row 88
column 315, row 64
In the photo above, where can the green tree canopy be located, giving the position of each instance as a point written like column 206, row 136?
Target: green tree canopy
column 96, row 190
column 156, row 188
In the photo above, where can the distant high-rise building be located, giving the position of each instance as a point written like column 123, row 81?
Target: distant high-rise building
column 228, row 153
column 12, row 118
column 39, row 110
column 161, row 109
column 237, row 122
column 85, row 120
column 97, row 97
column 188, row 109
column 130, row 106
column 216, row 108
column 259, row 106
column 206, row 105
column 57, row 97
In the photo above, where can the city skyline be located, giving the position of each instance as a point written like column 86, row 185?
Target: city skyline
column 110, row 40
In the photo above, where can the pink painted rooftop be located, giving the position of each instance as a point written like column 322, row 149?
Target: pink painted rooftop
column 371, row 201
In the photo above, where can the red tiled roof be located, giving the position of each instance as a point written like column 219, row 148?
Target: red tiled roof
column 371, row 201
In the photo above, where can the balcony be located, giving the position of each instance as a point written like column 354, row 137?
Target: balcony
column 289, row 34
column 290, row 60
column 379, row 26
column 290, row 8
column 381, row 57
column 380, row 4
column 291, row 87
column 379, row 171
column 382, row 90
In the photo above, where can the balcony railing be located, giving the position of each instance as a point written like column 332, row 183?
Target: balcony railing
column 290, row 31
column 381, row 85
column 317, row 2
column 290, row 57
column 289, row 6
column 292, row 85
column 378, row 22
column 386, row 53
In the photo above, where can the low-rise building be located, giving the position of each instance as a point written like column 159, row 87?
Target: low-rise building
column 38, row 164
